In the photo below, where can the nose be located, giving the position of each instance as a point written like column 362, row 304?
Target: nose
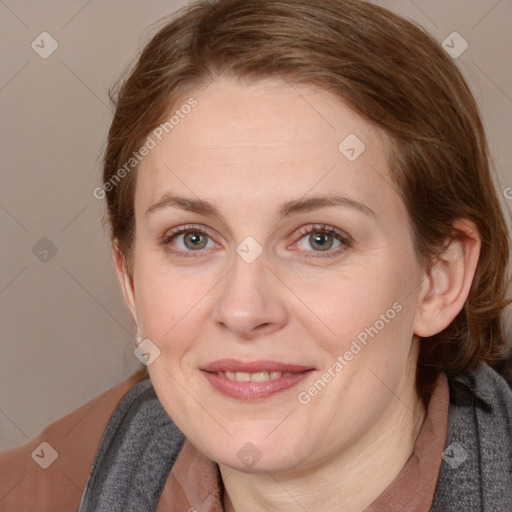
column 251, row 303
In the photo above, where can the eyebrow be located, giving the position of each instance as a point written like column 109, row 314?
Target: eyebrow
column 287, row 209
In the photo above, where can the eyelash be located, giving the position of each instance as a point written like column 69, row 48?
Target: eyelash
column 343, row 238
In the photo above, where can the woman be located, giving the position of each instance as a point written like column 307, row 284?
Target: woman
column 307, row 235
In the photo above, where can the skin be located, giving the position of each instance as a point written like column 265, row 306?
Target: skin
column 247, row 149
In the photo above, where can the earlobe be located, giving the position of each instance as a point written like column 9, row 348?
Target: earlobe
column 125, row 280
column 447, row 285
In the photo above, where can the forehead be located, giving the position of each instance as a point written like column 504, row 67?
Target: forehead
column 264, row 140
column 266, row 113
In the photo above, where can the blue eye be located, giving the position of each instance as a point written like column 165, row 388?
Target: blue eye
column 323, row 239
column 317, row 241
column 192, row 240
column 188, row 240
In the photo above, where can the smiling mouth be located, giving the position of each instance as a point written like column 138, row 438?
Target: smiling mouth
column 253, row 380
column 254, row 377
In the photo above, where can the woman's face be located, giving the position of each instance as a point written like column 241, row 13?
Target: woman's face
column 285, row 315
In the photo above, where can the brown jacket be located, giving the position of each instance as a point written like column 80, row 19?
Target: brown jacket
column 25, row 486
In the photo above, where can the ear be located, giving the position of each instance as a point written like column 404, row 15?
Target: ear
column 446, row 287
column 126, row 280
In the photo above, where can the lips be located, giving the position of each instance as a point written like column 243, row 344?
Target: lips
column 253, row 380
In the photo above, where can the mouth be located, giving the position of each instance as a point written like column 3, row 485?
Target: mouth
column 254, row 377
column 253, row 380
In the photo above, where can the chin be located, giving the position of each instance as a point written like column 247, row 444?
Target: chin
column 280, row 464
column 255, row 454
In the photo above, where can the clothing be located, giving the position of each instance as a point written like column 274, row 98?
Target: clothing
column 480, row 420
column 26, row 487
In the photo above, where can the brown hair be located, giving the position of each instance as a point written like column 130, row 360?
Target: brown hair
column 392, row 73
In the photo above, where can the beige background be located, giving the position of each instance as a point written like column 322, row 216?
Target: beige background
column 66, row 335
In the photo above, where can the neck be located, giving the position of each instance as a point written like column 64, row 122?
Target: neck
column 350, row 480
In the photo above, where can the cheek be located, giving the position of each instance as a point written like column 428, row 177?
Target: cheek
column 356, row 304
column 170, row 305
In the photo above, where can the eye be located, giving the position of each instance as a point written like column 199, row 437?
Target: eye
column 192, row 240
column 322, row 238
column 188, row 239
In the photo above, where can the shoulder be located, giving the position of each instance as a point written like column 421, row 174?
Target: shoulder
column 476, row 470
column 50, row 471
column 136, row 454
column 487, row 391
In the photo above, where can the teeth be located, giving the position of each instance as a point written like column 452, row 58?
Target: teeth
column 254, row 377
column 260, row 376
